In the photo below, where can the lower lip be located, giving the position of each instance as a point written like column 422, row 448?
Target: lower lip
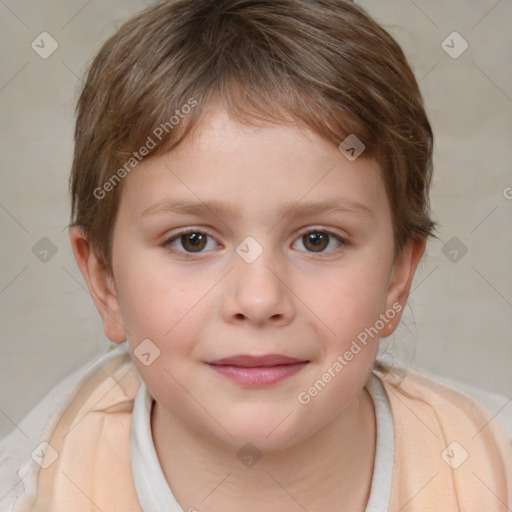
column 259, row 376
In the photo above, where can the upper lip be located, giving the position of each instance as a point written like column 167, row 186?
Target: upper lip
column 248, row 361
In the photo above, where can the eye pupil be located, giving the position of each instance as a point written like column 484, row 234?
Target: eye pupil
column 195, row 240
column 318, row 239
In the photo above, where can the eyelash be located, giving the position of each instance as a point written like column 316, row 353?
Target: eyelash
column 193, row 255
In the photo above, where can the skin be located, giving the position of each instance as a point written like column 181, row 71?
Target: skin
column 291, row 300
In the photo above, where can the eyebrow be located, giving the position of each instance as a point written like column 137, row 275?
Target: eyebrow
column 289, row 209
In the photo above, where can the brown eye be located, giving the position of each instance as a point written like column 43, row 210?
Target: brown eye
column 193, row 242
column 317, row 241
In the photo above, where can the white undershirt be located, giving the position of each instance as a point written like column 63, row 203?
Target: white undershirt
column 154, row 493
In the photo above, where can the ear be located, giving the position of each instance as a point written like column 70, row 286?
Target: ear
column 400, row 281
column 101, row 285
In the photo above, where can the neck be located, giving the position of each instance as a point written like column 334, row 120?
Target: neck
column 330, row 470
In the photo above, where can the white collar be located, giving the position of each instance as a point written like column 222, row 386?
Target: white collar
column 154, row 493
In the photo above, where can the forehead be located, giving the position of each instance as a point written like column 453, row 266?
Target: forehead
column 262, row 168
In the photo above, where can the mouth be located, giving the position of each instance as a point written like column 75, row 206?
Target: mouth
column 257, row 371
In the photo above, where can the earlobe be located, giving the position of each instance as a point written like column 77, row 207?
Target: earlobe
column 401, row 280
column 101, row 285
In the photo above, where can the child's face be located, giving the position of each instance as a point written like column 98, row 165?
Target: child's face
column 289, row 300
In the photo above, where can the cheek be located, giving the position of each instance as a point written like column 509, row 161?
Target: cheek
column 154, row 300
column 349, row 300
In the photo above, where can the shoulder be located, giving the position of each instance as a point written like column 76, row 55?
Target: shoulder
column 448, row 439
column 21, row 449
column 448, row 400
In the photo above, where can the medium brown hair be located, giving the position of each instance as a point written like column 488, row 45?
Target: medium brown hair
column 322, row 64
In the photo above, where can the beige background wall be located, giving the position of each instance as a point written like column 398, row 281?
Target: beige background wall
column 459, row 319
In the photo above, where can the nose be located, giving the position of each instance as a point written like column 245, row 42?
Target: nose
column 258, row 292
